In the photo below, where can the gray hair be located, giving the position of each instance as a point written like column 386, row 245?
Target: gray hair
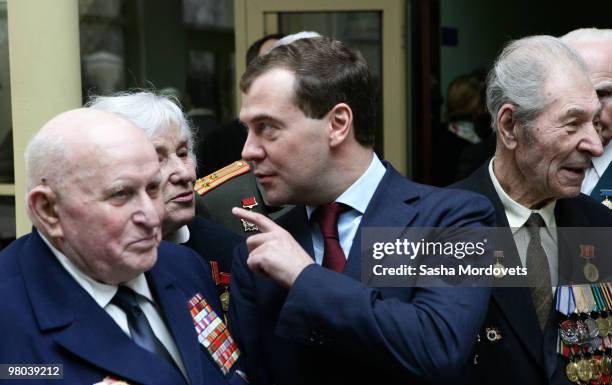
column 587, row 35
column 45, row 157
column 152, row 113
column 521, row 71
column 295, row 37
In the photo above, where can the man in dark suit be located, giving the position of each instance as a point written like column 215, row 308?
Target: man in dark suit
column 547, row 133
column 88, row 288
column 298, row 306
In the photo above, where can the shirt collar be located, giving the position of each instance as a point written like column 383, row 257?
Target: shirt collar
column 179, row 236
column 359, row 194
column 600, row 164
column 100, row 292
column 516, row 213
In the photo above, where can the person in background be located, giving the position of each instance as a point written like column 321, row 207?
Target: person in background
column 163, row 122
column 595, row 47
column 465, row 108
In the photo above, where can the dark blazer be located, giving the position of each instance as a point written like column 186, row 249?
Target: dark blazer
column 212, row 241
column 46, row 317
column 329, row 328
column 524, row 355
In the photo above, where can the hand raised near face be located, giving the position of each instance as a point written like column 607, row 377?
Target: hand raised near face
column 273, row 252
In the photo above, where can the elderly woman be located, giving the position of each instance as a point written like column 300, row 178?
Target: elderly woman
column 164, row 123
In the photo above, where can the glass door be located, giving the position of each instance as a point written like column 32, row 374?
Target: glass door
column 376, row 29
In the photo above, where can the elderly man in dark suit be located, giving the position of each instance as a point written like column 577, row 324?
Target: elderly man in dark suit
column 546, row 115
column 298, row 306
column 91, row 288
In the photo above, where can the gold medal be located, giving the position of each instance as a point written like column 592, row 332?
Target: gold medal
column 498, row 267
column 225, row 300
column 585, row 371
column 602, row 325
column 591, row 273
column 572, row 372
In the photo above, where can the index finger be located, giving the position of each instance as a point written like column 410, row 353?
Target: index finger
column 264, row 223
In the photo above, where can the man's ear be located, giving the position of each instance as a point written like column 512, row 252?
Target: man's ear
column 507, row 126
column 42, row 205
column 340, row 123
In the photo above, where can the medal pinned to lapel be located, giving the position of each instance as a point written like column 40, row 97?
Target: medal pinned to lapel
column 498, row 267
column 591, row 273
column 606, row 194
column 493, row 334
column 249, row 203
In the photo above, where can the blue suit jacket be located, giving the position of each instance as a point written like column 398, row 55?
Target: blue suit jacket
column 330, row 328
column 46, row 317
column 524, row 354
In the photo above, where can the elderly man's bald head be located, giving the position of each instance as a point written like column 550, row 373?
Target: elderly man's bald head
column 94, row 193
column 71, row 138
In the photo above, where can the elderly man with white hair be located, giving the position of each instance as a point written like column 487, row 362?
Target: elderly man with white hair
column 595, row 47
column 90, row 295
column 164, row 123
column 546, row 114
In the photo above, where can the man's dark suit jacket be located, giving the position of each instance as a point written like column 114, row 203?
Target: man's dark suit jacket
column 525, row 354
column 46, row 317
column 329, row 328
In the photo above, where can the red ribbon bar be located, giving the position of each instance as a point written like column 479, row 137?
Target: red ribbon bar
column 214, row 265
column 226, row 279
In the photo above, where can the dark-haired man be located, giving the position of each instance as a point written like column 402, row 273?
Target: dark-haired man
column 300, row 312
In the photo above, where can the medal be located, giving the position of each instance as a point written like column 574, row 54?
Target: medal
column 591, row 273
column 568, row 330
column 225, row 300
column 249, row 203
column 493, row 334
column 591, row 325
column 602, row 326
column 498, row 267
column 606, row 194
column 585, row 370
column 571, row 370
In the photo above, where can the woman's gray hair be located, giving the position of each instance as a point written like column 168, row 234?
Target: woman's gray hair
column 147, row 110
column 587, row 35
column 520, row 72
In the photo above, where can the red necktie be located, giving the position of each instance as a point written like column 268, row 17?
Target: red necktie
column 327, row 217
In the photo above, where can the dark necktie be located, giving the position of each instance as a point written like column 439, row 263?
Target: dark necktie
column 140, row 329
column 538, row 270
column 327, row 217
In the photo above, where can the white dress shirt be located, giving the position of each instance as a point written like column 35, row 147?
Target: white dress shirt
column 517, row 216
column 103, row 294
column 180, row 236
column 598, row 167
column 357, row 197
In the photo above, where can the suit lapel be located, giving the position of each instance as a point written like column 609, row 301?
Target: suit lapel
column 296, row 223
column 389, row 208
column 515, row 303
column 76, row 322
column 174, row 307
